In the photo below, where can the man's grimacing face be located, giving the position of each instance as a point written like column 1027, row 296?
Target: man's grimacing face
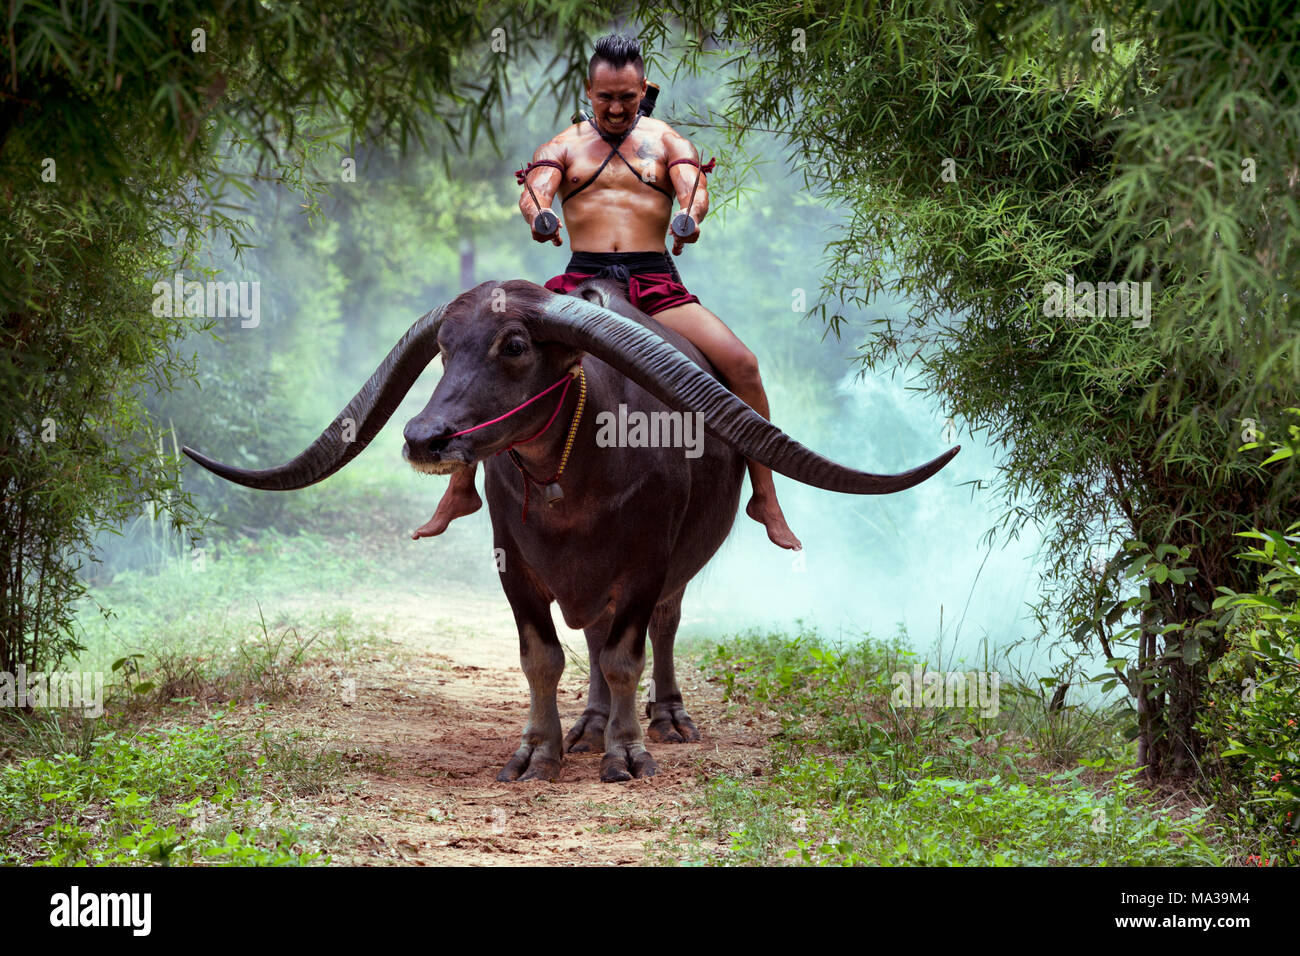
column 615, row 95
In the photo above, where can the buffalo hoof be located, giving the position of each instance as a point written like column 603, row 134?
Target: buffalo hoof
column 670, row 724
column 626, row 761
column 528, row 763
column 587, row 735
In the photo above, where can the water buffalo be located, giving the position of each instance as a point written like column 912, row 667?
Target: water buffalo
column 626, row 526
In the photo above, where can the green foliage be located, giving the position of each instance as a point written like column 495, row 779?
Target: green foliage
column 157, row 780
column 1253, row 722
column 78, row 353
column 1251, row 727
column 185, row 795
column 1206, row 138
column 1051, row 821
column 858, row 781
column 262, row 71
column 230, row 627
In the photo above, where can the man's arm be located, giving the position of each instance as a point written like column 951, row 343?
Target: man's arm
column 545, row 183
column 677, row 146
column 683, row 175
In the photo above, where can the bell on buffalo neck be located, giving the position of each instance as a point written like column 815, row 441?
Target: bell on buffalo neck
column 553, row 493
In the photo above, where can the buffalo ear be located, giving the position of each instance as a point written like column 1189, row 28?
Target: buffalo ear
column 565, row 356
column 596, row 294
column 604, row 293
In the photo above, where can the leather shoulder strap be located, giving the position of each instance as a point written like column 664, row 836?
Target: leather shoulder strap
column 614, row 151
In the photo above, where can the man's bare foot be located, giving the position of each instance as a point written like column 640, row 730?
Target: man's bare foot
column 768, row 513
column 454, row 504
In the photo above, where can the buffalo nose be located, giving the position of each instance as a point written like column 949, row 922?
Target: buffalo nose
column 430, row 436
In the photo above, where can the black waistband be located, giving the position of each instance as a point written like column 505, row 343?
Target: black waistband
column 619, row 264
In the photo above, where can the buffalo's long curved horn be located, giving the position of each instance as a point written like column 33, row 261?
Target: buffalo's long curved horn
column 676, row 380
column 363, row 417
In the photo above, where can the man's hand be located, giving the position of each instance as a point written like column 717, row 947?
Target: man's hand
column 553, row 238
column 679, row 242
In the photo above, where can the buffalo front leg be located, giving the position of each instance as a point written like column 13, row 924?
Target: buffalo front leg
column 669, row 722
column 621, row 661
column 588, row 733
column 542, row 658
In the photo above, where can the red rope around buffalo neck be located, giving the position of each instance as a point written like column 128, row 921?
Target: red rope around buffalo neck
column 566, row 382
column 575, row 372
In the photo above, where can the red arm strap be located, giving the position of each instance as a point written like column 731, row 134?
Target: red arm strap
column 706, row 168
column 522, row 174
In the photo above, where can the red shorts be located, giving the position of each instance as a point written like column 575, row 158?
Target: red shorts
column 650, row 292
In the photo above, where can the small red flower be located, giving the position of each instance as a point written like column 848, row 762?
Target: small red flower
column 1276, row 777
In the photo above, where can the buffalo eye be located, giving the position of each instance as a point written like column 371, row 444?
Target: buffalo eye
column 513, row 348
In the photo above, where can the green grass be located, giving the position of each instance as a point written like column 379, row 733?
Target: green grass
column 235, row 623
column 179, row 610
column 167, row 775
column 190, row 647
column 857, row 780
column 199, row 607
column 201, row 794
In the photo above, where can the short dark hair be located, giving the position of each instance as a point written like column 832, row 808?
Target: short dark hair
column 618, row 51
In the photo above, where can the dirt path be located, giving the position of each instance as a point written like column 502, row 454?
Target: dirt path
column 427, row 722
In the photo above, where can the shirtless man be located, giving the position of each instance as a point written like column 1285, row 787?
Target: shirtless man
column 608, row 171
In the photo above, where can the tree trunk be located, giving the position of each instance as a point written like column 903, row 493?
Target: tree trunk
column 466, row 263
column 1150, row 738
column 1184, row 744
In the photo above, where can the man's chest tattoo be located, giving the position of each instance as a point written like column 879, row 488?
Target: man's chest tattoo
column 646, row 150
column 648, row 158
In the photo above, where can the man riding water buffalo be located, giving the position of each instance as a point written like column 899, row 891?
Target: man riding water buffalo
column 608, row 172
